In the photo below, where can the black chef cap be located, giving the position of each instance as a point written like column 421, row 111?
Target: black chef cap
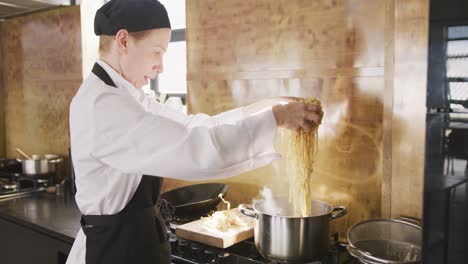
column 132, row 15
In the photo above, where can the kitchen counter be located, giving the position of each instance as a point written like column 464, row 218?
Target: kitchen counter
column 446, row 183
column 54, row 216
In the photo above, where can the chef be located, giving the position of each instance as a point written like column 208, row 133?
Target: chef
column 123, row 143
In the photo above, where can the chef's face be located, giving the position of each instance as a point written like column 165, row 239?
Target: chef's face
column 141, row 59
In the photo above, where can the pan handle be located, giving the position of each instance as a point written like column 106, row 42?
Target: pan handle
column 342, row 210
column 248, row 211
column 409, row 220
column 224, row 190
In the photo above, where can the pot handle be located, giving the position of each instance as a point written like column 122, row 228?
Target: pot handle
column 57, row 160
column 342, row 210
column 248, row 211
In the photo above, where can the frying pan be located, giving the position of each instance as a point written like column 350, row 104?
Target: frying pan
column 195, row 201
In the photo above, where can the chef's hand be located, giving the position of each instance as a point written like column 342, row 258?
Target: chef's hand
column 296, row 115
column 264, row 104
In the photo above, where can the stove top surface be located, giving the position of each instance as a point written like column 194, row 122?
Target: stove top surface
column 16, row 184
column 245, row 252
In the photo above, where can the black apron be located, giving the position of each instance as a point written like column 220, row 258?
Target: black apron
column 137, row 234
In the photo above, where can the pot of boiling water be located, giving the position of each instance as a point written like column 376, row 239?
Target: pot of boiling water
column 281, row 236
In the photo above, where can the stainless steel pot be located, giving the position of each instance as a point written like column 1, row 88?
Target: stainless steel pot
column 40, row 164
column 289, row 238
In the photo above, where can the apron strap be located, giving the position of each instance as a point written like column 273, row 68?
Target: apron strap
column 103, row 220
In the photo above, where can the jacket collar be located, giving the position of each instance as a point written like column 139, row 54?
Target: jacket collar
column 120, row 81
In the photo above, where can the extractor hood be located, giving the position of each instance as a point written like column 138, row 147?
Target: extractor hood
column 14, row 8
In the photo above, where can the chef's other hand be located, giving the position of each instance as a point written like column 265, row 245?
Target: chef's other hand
column 297, row 116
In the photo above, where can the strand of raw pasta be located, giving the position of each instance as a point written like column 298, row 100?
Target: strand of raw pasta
column 302, row 149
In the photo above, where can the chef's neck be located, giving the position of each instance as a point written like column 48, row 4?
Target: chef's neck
column 113, row 62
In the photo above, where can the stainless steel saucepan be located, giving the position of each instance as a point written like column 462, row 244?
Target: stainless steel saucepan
column 284, row 237
column 40, row 165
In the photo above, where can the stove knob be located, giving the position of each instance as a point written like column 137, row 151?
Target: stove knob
column 224, row 258
column 169, row 233
column 172, row 229
column 209, row 256
column 184, row 249
column 196, row 252
column 174, row 245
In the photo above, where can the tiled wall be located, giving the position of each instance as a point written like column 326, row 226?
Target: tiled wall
column 41, row 62
column 2, row 104
column 343, row 52
column 351, row 54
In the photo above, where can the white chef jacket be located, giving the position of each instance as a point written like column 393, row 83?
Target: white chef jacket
column 119, row 134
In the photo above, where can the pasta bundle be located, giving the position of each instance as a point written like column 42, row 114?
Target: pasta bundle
column 302, row 149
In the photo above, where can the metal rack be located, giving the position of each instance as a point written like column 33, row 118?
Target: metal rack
column 26, row 184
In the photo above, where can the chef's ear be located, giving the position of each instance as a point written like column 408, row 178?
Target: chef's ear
column 122, row 40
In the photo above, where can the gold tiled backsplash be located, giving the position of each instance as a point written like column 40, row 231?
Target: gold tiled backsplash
column 41, row 62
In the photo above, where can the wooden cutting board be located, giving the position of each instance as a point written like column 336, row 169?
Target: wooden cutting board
column 201, row 232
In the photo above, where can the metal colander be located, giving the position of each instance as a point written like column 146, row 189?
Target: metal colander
column 386, row 241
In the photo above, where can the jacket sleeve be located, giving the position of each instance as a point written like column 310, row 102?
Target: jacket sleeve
column 133, row 140
column 195, row 119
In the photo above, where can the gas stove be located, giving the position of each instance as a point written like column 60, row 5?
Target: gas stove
column 14, row 184
column 245, row 252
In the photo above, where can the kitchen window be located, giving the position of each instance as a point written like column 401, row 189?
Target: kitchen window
column 456, row 79
column 172, row 83
column 457, row 68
